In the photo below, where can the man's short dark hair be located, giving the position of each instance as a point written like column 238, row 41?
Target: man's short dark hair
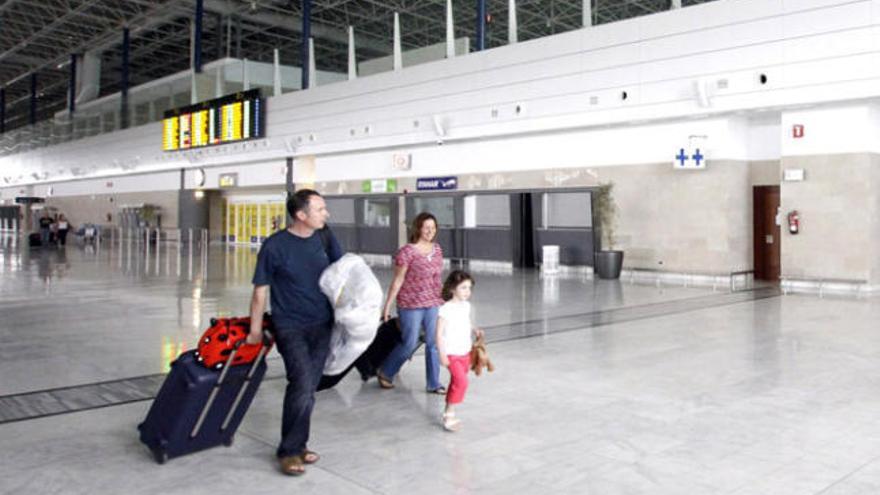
column 299, row 201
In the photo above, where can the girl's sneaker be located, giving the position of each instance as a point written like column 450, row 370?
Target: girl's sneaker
column 450, row 422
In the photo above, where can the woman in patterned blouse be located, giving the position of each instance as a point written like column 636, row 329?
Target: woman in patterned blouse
column 416, row 289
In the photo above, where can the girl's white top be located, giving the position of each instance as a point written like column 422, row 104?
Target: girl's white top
column 457, row 332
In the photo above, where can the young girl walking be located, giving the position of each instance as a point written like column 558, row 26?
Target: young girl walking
column 454, row 334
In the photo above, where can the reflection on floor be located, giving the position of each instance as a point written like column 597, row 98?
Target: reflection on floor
column 602, row 387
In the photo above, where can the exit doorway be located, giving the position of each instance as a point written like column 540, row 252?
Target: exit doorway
column 766, row 233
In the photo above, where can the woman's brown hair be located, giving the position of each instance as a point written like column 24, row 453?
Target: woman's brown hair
column 416, row 231
column 455, row 278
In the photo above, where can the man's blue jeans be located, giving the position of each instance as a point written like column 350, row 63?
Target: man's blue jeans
column 304, row 350
column 411, row 322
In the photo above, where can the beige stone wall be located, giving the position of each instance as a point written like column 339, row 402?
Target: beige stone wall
column 765, row 173
column 93, row 208
column 838, row 204
column 684, row 221
column 694, row 221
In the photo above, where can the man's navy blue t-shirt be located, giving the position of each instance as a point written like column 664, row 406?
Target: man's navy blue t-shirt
column 291, row 266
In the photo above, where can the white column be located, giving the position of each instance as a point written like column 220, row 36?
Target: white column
column 450, row 31
column 586, row 13
column 245, row 75
column 277, row 72
column 218, row 81
column 313, row 70
column 193, row 92
column 511, row 25
column 352, row 58
column 398, row 54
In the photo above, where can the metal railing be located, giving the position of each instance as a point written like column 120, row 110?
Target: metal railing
column 157, row 247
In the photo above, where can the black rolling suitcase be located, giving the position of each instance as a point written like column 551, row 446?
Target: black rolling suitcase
column 387, row 338
column 199, row 408
column 35, row 240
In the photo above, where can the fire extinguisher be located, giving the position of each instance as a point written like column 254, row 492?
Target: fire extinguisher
column 794, row 222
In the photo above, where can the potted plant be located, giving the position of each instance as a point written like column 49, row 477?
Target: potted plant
column 607, row 261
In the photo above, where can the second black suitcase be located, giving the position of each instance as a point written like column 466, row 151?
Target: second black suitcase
column 198, row 408
column 387, row 338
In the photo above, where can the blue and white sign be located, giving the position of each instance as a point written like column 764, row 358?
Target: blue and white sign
column 692, row 159
column 436, row 183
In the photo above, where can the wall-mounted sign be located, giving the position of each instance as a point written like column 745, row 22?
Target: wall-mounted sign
column 228, row 180
column 797, row 131
column 793, row 175
column 689, row 159
column 379, row 186
column 234, row 117
column 26, row 200
column 401, row 161
column 436, row 183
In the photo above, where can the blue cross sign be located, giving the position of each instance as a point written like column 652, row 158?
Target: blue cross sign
column 692, row 159
column 681, row 157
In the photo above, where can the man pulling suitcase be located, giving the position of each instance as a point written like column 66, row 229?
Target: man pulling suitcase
column 291, row 262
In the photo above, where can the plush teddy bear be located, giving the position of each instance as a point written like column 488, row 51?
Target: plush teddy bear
column 480, row 358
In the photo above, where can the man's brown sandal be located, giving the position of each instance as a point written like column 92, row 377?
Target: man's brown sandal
column 310, row 457
column 292, row 465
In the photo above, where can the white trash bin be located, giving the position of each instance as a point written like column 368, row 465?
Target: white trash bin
column 550, row 259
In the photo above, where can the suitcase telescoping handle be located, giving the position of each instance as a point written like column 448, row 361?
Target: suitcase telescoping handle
column 267, row 341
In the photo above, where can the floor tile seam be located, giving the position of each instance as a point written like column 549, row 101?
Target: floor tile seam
column 271, row 378
column 489, row 339
column 98, row 384
column 848, row 475
column 80, row 386
column 256, row 437
column 586, row 325
column 690, row 301
column 770, row 473
column 73, row 411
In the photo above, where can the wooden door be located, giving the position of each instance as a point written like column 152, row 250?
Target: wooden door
column 766, row 233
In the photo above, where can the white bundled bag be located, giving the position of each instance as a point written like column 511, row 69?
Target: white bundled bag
column 356, row 297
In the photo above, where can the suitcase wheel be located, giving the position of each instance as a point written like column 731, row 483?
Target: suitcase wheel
column 160, row 456
column 228, row 441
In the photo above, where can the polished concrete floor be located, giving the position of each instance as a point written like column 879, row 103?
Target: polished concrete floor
column 601, row 388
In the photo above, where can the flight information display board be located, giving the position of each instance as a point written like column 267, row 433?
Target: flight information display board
column 236, row 117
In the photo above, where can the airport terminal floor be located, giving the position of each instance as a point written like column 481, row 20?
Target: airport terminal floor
column 601, row 387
